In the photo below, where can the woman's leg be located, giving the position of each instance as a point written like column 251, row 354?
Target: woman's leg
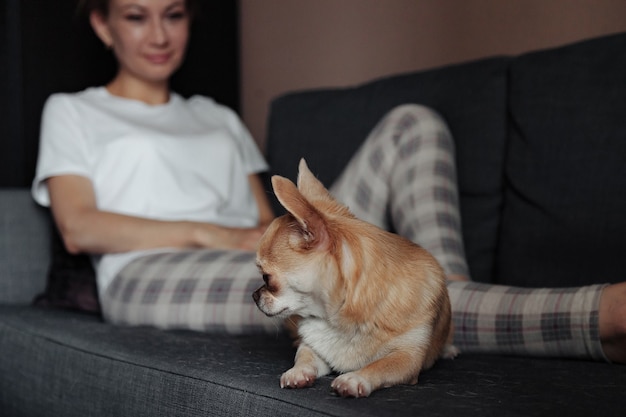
column 405, row 172
column 556, row 322
column 203, row 290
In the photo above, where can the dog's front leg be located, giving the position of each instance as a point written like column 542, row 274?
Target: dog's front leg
column 307, row 368
column 400, row 367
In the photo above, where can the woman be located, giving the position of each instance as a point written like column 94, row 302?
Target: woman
column 164, row 193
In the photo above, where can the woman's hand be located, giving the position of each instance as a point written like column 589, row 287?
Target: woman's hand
column 211, row 236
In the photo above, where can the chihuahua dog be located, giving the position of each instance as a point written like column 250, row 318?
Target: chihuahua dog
column 370, row 304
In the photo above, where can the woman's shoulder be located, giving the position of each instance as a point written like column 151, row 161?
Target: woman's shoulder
column 66, row 99
column 206, row 103
column 208, row 108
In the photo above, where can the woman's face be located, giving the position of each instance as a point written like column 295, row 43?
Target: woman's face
column 148, row 37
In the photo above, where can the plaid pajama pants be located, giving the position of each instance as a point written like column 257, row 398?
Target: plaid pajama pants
column 403, row 178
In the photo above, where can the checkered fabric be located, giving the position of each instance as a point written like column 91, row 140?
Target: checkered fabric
column 402, row 178
column 556, row 322
column 203, row 290
column 405, row 174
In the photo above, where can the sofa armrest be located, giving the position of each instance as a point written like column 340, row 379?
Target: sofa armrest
column 24, row 246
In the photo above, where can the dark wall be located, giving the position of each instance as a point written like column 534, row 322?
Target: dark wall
column 46, row 48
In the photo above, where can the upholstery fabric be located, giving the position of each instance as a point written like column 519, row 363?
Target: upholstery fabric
column 79, row 366
column 327, row 126
column 564, row 220
column 24, row 246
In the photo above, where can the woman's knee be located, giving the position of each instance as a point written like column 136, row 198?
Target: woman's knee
column 424, row 121
column 413, row 109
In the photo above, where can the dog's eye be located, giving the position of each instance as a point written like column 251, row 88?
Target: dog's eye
column 271, row 287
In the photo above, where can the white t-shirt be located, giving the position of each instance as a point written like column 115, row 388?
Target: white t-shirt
column 188, row 159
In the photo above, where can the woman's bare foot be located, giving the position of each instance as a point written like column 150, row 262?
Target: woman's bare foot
column 612, row 318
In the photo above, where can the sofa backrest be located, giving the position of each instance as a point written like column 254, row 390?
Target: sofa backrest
column 327, row 126
column 24, row 246
column 541, row 154
column 564, row 219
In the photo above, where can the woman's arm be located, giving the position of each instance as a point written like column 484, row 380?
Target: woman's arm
column 86, row 229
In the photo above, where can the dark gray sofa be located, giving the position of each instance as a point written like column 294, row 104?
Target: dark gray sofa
column 541, row 149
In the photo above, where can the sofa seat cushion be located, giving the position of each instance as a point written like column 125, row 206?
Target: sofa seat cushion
column 327, row 126
column 73, row 364
column 57, row 362
column 564, row 219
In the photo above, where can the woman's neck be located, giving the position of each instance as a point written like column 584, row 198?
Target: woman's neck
column 149, row 93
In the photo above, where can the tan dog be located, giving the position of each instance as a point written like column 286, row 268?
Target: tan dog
column 372, row 305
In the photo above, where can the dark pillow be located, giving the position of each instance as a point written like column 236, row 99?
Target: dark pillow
column 565, row 206
column 71, row 281
column 327, row 126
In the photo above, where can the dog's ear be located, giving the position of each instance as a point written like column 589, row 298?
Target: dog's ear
column 310, row 187
column 314, row 191
column 312, row 225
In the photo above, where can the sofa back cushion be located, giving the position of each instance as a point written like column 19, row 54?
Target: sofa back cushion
column 327, row 126
column 565, row 207
column 24, row 246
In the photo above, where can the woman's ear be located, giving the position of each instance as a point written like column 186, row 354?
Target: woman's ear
column 101, row 28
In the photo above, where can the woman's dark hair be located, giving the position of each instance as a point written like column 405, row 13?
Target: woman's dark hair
column 85, row 7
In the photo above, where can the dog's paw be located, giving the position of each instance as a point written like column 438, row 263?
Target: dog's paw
column 298, row 377
column 352, row 385
column 450, row 351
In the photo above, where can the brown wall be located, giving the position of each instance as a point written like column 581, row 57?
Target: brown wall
column 295, row 44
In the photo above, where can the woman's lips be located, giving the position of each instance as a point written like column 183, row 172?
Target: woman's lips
column 158, row 58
